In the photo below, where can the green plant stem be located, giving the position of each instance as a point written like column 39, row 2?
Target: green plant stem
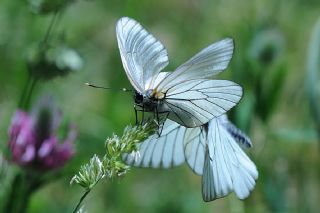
column 24, row 91
column 50, row 28
column 84, row 196
column 23, row 186
column 29, row 93
column 24, row 100
column 80, row 201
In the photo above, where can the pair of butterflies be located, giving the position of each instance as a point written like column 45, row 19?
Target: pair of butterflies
column 197, row 131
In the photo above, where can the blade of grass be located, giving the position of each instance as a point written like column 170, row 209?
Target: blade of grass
column 312, row 80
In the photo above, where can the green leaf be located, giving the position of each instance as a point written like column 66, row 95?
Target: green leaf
column 294, row 135
column 243, row 114
column 313, row 68
column 273, row 90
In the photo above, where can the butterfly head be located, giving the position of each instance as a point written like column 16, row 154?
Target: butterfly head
column 149, row 100
column 138, row 98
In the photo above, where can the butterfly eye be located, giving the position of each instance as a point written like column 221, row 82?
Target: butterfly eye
column 138, row 98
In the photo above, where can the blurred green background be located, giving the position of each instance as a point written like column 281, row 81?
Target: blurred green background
column 271, row 62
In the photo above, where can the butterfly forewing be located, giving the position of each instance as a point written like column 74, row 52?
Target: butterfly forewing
column 205, row 64
column 142, row 55
column 194, row 103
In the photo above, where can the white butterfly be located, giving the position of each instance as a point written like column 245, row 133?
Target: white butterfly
column 212, row 151
column 186, row 95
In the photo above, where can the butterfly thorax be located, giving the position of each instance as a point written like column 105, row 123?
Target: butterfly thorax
column 148, row 101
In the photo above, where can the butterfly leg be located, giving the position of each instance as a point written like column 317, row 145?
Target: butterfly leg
column 156, row 116
column 160, row 121
column 157, row 120
column 142, row 119
column 136, row 114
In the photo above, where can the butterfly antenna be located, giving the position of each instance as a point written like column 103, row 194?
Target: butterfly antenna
column 100, row 87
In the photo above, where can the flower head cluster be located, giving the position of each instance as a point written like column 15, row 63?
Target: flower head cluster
column 128, row 143
column 34, row 140
column 111, row 165
column 90, row 174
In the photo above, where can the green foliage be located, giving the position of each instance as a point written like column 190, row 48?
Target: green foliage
column 313, row 70
column 48, row 6
column 3, row 168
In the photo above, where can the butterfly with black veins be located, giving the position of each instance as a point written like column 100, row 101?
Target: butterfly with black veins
column 187, row 95
column 212, row 151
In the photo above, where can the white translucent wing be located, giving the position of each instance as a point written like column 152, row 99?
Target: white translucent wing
column 160, row 152
column 142, row 55
column 160, row 77
column 227, row 168
column 194, row 149
column 207, row 63
column 194, row 103
column 208, row 189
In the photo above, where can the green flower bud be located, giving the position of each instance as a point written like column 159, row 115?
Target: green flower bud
column 54, row 61
column 90, row 174
column 267, row 46
column 48, row 6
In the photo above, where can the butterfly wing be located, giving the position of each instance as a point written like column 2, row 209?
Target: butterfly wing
column 161, row 152
column 142, row 55
column 227, row 168
column 194, row 148
column 207, row 63
column 194, row 103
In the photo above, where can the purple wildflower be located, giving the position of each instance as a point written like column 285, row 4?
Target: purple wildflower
column 34, row 140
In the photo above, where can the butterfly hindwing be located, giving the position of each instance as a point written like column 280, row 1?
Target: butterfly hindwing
column 231, row 169
column 161, row 152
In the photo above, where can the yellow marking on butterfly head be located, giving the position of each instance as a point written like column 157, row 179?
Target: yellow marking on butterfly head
column 158, row 95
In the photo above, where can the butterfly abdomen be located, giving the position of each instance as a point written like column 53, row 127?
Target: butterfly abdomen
column 238, row 135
